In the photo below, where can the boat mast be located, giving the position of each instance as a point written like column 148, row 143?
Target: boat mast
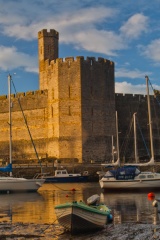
column 10, row 121
column 113, row 149
column 117, row 136
column 150, row 121
column 135, row 138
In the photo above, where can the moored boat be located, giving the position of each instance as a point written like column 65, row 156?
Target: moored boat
column 129, row 177
column 62, row 176
column 78, row 217
column 10, row 184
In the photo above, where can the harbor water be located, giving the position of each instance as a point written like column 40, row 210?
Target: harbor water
column 38, row 208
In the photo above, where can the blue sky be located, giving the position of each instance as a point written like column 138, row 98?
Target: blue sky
column 126, row 32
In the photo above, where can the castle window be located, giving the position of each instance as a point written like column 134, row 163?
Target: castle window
column 69, row 111
column 52, row 93
column 69, row 91
column 52, row 111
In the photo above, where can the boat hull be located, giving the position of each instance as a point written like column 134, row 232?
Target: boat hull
column 77, row 219
column 9, row 184
column 70, row 179
column 130, row 184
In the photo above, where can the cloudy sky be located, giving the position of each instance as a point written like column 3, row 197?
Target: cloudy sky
column 126, row 32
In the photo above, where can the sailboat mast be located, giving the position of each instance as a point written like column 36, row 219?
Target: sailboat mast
column 10, row 121
column 149, row 118
column 135, row 137
column 117, row 136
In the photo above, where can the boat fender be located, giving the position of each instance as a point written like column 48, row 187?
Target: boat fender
column 109, row 218
column 155, row 203
column 39, row 184
column 103, row 208
column 85, row 173
column 94, row 199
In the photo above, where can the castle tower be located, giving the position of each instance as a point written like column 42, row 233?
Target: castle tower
column 47, row 50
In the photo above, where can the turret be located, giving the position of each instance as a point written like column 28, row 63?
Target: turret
column 47, row 50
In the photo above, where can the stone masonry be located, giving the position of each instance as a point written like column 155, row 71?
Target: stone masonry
column 71, row 117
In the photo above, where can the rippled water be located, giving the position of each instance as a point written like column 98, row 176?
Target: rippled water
column 39, row 207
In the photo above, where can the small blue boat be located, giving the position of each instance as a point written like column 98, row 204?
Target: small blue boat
column 62, row 176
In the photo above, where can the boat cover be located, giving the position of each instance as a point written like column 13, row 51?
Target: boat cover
column 124, row 172
column 8, row 168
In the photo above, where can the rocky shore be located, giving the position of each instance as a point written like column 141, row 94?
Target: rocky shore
column 126, row 231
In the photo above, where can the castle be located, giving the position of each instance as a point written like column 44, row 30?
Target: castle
column 72, row 115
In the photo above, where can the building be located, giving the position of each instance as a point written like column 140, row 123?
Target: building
column 71, row 116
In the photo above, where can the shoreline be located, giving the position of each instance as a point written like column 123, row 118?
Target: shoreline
column 124, row 231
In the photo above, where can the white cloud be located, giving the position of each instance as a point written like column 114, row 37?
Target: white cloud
column 78, row 27
column 10, row 59
column 125, row 87
column 132, row 74
column 135, row 26
column 152, row 51
column 104, row 42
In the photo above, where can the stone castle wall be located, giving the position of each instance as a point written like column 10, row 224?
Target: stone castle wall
column 34, row 105
column 80, row 107
column 72, row 116
column 127, row 105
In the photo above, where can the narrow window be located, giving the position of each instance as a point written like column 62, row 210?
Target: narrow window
column 69, row 112
column 52, row 111
column 52, row 93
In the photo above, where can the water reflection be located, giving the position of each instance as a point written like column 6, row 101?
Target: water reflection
column 127, row 207
column 39, row 207
column 19, row 207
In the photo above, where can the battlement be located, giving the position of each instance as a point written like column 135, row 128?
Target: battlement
column 25, row 94
column 88, row 60
column 51, row 33
column 130, row 95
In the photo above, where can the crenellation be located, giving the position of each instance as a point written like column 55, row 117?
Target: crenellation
column 29, row 93
column 41, row 92
column 3, row 97
column 101, row 60
column 59, row 60
column 69, row 59
column 20, row 94
column 90, row 60
column 45, row 33
column 130, row 95
column 47, row 63
column 80, row 58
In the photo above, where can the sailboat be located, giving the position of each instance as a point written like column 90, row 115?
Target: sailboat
column 9, row 184
column 129, row 177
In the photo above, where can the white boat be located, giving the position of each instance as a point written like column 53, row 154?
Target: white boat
column 78, row 217
column 129, row 177
column 10, row 184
